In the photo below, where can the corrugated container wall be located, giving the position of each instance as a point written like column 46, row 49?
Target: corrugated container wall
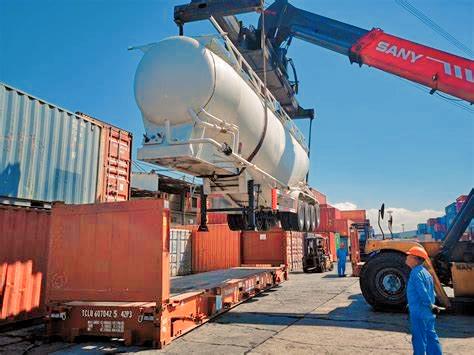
column 319, row 196
column 217, row 249
column 450, row 209
column 115, row 251
column 354, row 215
column 431, row 222
column 342, row 226
column 274, row 247
column 261, row 248
column 47, row 153
column 51, row 154
column 328, row 215
column 294, row 250
column 115, row 173
column 24, row 236
column 180, row 252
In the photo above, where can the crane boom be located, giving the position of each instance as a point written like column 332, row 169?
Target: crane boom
column 436, row 69
column 431, row 67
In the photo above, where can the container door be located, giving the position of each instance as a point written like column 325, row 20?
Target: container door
column 180, row 252
column 117, row 161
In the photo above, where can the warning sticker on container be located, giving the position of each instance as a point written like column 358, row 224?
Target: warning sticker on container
column 263, row 237
column 105, row 326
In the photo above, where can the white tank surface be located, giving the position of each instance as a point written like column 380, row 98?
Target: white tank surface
column 179, row 74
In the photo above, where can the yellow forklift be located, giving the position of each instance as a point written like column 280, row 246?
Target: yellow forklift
column 383, row 278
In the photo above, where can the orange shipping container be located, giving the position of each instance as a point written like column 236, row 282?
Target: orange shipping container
column 109, row 251
column 319, row 196
column 217, row 249
column 116, row 169
column 216, row 218
column 328, row 215
column 342, row 226
column 24, row 234
column 354, row 215
column 274, row 248
column 108, row 276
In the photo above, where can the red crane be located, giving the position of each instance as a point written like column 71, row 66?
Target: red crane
column 436, row 69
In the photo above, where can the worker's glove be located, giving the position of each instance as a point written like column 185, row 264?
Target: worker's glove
column 436, row 309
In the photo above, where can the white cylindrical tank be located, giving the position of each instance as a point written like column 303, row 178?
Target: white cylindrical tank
column 179, row 73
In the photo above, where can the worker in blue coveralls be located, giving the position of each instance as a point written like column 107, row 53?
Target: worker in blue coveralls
column 341, row 260
column 421, row 299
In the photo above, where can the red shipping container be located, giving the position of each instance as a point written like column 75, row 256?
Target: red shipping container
column 275, row 248
column 328, row 215
column 438, row 227
column 460, row 201
column 115, row 166
column 342, row 226
column 216, row 218
column 358, row 216
column 116, row 251
column 319, row 196
column 431, row 221
column 217, row 249
column 116, row 169
column 23, row 258
column 259, row 248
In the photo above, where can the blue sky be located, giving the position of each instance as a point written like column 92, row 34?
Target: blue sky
column 376, row 137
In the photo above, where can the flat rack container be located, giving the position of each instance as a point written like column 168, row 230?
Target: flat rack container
column 108, row 275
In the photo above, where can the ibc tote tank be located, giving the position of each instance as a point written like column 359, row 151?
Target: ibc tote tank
column 181, row 73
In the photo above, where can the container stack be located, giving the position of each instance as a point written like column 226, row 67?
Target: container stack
column 336, row 225
column 436, row 228
column 49, row 154
column 53, row 154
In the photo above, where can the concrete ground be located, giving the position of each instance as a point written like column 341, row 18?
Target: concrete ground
column 309, row 314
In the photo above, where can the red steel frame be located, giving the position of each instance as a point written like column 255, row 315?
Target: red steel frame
column 431, row 67
column 145, row 323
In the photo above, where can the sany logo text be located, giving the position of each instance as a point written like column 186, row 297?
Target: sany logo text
column 412, row 57
column 398, row 53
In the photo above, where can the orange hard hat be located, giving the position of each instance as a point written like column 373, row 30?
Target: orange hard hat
column 418, row 251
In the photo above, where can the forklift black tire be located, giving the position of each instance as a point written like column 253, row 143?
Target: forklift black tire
column 383, row 280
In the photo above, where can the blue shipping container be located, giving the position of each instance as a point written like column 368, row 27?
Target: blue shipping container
column 46, row 152
column 450, row 220
column 430, row 230
column 451, row 209
column 441, row 220
column 422, row 228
